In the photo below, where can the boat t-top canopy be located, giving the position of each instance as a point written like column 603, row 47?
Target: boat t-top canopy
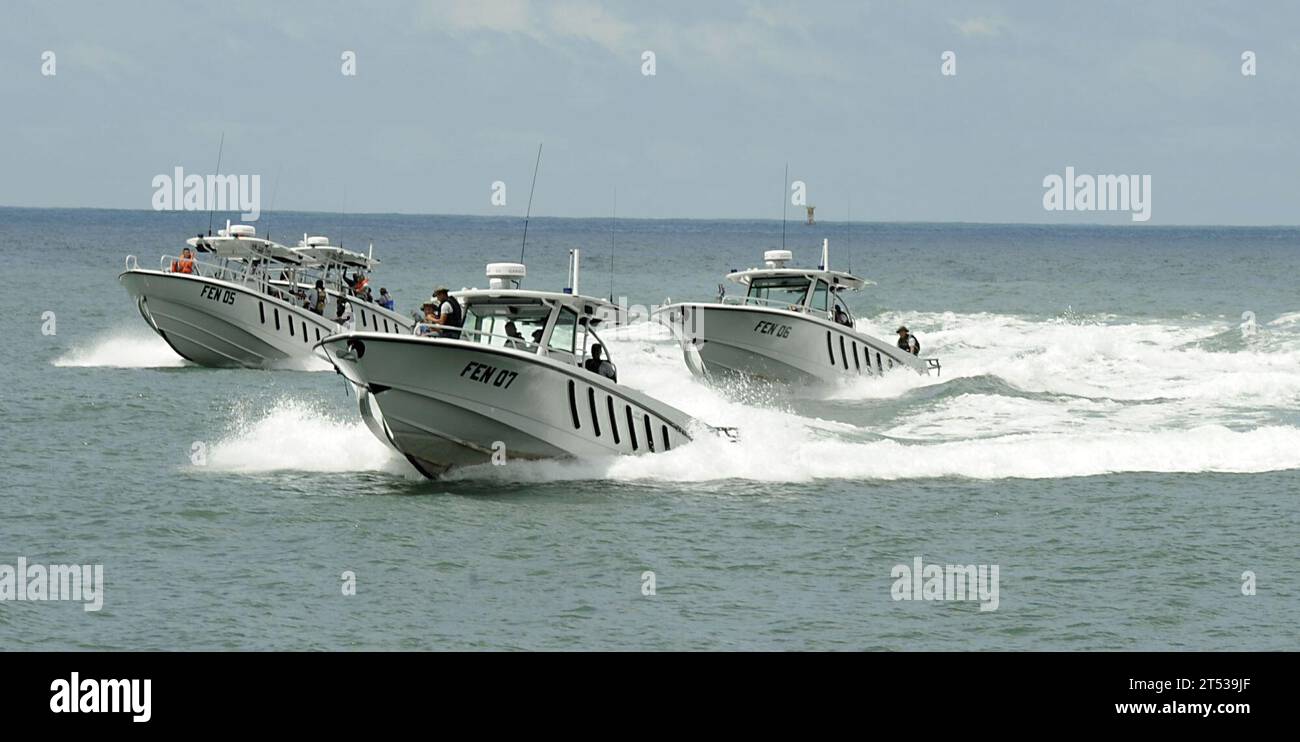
column 334, row 255
column 557, row 324
column 240, row 242
column 837, row 279
column 505, row 279
column 775, row 267
column 597, row 311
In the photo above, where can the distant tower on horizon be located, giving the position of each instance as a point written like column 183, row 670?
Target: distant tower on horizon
column 811, row 209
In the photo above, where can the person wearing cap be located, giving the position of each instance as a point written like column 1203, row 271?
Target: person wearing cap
column 449, row 316
column 385, row 300
column 908, row 342
column 427, row 319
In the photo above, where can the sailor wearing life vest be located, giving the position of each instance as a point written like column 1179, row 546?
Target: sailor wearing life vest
column 316, row 299
column 357, row 283
column 185, row 264
column 908, row 342
column 449, row 317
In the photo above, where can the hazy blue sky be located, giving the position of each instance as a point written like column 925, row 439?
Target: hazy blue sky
column 451, row 96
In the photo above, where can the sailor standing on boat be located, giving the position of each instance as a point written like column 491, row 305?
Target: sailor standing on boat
column 450, row 317
column 316, row 299
column 343, row 313
column 908, row 342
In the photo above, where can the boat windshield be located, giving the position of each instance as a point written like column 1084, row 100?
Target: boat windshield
column 821, row 296
column 782, row 291
column 514, row 323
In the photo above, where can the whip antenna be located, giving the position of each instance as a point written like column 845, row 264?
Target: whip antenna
column 220, row 150
column 529, row 213
column 271, row 206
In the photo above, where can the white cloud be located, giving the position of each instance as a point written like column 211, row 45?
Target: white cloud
column 766, row 35
column 786, row 18
column 104, row 62
column 549, row 23
column 980, row 26
column 589, row 21
column 501, row 16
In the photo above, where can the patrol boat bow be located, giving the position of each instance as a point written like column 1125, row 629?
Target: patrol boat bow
column 784, row 328
column 241, row 306
column 509, row 384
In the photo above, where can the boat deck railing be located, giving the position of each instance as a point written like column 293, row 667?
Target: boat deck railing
column 232, row 272
column 508, row 341
column 481, row 336
column 759, row 301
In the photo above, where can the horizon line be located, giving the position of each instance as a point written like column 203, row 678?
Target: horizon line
column 955, row 222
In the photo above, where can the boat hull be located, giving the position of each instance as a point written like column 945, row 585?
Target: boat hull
column 450, row 403
column 721, row 340
column 223, row 324
column 370, row 317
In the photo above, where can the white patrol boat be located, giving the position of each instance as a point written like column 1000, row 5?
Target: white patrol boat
column 243, row 304
column 511, row 383
column 791, row 326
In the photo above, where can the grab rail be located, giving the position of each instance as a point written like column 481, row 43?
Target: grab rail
column 520, row 343
column 745, row 300
column 228, row 272
column 515, row 343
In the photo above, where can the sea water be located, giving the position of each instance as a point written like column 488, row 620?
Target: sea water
column 1116, row 428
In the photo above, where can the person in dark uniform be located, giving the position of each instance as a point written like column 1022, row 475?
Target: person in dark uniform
column 598, row 365
column 316, row 299
column 450, row 316
column 514, row 339
column 908, row 342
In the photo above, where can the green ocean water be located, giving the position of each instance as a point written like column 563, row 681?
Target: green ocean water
column 1117, row 428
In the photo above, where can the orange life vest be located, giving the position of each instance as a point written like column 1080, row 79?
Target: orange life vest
column 184, row 265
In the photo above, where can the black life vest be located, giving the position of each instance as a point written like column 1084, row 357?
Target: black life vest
column 457, row 319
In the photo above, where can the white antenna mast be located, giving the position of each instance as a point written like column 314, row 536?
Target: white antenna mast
column 574, row 256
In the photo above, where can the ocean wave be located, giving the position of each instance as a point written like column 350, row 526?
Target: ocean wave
column 122, row 348
column 295, row 435
column 783, row 458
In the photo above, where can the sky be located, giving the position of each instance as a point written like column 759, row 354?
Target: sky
column 451, row 97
